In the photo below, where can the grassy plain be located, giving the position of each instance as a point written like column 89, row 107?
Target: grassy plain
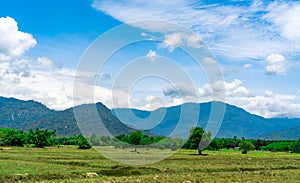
column 69, row 164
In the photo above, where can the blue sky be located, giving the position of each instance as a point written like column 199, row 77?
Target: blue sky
column 63, row 29
column 255, row 42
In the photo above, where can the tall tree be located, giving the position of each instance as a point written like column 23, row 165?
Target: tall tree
column 41, row 138
column 83, row 143
column 135, row 138
column 196, row 134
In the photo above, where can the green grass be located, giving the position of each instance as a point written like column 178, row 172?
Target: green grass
column 70, row 164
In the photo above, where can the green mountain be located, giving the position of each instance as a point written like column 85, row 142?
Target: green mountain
column 27, row 115
column 288, row 134
column 236, row 121
column 18, row 113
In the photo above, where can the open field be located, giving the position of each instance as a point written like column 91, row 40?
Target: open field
column 69, row 164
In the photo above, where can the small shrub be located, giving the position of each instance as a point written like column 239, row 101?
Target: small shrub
column 83, row 143
column 246, row 146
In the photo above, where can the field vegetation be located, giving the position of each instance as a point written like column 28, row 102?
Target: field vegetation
column 41, row 156
column 70, row 164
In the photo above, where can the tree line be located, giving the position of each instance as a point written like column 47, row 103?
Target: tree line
column 42, row 138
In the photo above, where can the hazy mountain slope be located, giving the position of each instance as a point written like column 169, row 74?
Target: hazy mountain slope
column 236, row 122
column 27, row 115
column 288, row 134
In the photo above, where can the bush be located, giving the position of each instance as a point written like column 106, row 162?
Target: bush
column 281, row 146
column 40, row 138
column 83, row 143
column 246, row 146
column 12, row 137
column 295, row 147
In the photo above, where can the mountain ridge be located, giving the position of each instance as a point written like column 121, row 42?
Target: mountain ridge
column 236, row 121
column 30, row 114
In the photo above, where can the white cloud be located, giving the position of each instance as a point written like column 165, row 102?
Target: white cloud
column 174, row 40
column 39, row 79
column 269, row 93
column 180, row 90
column 151, row 55
column 229, row 89
column 240, row 31
column 268, row 104
column 286, row 17
column 276, row 65
column 153, row 103
column 45, row 62
column 209, row 60
column 246, row 66
column 230, row 19
column 13, row 43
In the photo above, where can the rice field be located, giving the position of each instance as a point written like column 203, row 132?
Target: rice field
column 69, row 164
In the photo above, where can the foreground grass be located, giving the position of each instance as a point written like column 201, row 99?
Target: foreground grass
column 69, row 164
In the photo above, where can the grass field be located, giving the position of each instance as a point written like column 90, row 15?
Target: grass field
column 70, row 164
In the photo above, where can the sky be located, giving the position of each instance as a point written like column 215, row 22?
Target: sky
column 254, row 43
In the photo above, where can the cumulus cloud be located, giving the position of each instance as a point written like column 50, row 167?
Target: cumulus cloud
column 151, row 55
column 39, row 78
column 180, row 90
column 269, row 93
column 246, row 66
column 276, row 65
column 44, row 62
column 13, row 42
column 220, row 88
column 174, row 40
column 268, row 104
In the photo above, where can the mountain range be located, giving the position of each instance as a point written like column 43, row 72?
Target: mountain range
column 30, row 114
column 236, row 121
column 25, row 115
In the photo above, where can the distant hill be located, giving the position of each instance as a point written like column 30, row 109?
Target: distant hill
column 27, row 115
column 288, row 134
column 236, row 122
column 17, row 113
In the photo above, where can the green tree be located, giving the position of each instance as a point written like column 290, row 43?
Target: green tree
column 196, row 134
column 41, row 138
column 83, row 143
column 246, row 146
column 295, row 147
column 95, row 141
column 145, row 140
column 12, row 137
column 135, row 138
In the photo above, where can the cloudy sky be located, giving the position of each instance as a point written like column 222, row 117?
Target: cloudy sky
column 256, row 44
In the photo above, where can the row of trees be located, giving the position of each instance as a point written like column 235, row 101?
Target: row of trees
column 138, row 138
column 39, row 138
column 36, row 138
column 42, row 138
